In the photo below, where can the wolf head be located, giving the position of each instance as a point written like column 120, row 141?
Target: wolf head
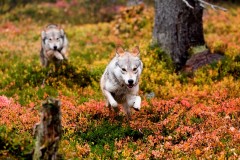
column 53, row 38
column 129, row 66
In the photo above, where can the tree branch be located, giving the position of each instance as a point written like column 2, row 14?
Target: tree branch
column 204, row 4
column 215, row 7
column 187, row 3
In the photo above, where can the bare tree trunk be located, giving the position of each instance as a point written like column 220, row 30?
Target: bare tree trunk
column 48, row 131
column 177, row 28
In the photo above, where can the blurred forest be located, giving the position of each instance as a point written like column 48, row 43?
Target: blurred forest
column 79, row 11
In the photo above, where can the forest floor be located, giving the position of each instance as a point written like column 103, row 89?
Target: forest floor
column 185, row 116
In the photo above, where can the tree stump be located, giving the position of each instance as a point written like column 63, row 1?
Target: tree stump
column 48, row 131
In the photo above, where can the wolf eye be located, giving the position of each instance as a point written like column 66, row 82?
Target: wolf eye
column 57, row 39
column 123, row 69
column 50, row 39
column 134, row 69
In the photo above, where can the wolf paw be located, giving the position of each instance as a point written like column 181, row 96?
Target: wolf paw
column 58, row 55
column 137, row 104
column 114, row 104
column 136, row 108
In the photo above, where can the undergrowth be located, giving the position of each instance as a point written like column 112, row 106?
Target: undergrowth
column 183, row 116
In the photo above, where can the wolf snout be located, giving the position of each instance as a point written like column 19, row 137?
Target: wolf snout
column 130, row 82
column 55, row 48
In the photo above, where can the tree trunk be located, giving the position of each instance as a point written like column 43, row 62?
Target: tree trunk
column 177, row 28
column 48, row 131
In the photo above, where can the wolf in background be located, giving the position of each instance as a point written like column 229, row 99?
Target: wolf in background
column 120, row 80
column 54, row 45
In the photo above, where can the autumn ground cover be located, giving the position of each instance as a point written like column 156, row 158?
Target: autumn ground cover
column 186, row 116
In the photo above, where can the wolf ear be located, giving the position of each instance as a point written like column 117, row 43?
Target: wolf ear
column 136, row 51
column 120, row 51
column 62, row 32
column 43, row 34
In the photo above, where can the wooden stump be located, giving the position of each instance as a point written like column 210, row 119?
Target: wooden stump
column 48, row 131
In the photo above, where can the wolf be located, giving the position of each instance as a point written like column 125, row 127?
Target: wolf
column 53, row 46
column 120, row 80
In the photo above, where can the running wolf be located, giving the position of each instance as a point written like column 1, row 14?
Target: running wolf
column 54, row 45
column 120, row 80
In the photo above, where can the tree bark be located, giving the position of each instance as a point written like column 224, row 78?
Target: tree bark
column 48, row 131
column 177, row 28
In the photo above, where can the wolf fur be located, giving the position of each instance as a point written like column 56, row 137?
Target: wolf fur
column 54, row 45
column 120, row 80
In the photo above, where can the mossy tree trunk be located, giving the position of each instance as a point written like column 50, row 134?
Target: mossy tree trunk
column 48, row 131
column 177, row 28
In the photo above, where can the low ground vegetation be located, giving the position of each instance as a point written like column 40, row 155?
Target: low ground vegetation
column 182, row 116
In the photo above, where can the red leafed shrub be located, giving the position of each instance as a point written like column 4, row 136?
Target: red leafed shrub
column 14, row 115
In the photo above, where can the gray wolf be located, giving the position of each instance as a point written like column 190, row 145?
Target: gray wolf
column 120, row 80
column 54, row 45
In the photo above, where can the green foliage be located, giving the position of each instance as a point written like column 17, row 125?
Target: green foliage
column 226, row 138
column 227, row 67
column 162, row 57
column 78, row 12
column 196, row 120
column 8, row 5
column 106, row 134
column 131, row 21
column 17, row 144
column 96, row 73
column 158, row 70
column 68, row 75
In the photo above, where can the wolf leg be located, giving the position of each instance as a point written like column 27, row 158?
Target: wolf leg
column 58, row 55
column 64, row 57
column 116, row 109
column 63, row 53
column 126, row 108
column 46, row 62
column 113, row 111
column 137, row 103
column 134, row 101
column 110, row 99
